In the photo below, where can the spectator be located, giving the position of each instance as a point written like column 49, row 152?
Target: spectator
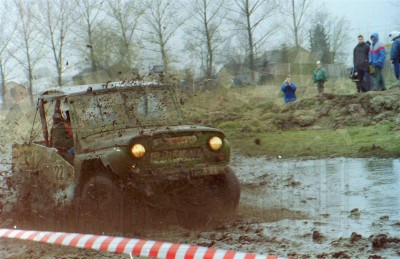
column 395, row 54
column 377, row 55
column 320, row 76
column 289, row 90
column 360, row 62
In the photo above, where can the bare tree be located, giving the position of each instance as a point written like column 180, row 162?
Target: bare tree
column 56, row 18
column 336, row 29
column 162, row 19
column 6, row 35
column 205, row 30
column 298, row 11
column 252, row 18
column 90, row 13
column 27, row 43
column 125, row 15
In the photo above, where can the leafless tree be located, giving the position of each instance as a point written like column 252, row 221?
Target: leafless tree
column 6, row 35
column 337, row 32
column 252, row 20
column 26, row 42
column 205, row 30
column 54, row 22
column 125, row 15
column 339, row 37
column 90, row 12
column 298, row 11
column 162, row 20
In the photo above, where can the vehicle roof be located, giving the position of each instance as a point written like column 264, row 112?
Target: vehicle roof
column 64, row 91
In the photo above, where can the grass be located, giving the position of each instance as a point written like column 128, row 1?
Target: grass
column 249, row 118
column 377, row 140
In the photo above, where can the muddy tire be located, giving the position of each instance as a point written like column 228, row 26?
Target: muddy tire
column 105, row 207
column 216, row 201
column 101, row 206
column 134, row 215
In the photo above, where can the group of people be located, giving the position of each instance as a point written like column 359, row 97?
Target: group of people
column 368, row 60
column 319, row 77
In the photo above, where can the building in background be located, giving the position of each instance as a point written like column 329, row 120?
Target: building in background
column 15, row 94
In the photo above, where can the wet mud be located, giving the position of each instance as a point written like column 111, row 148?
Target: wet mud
column 329, row 208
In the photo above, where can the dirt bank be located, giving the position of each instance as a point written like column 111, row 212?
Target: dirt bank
column 258, row 124
column 335, row 111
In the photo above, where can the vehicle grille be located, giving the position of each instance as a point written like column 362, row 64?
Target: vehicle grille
column 176, row 155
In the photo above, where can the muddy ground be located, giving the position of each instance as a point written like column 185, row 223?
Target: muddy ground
column 288, row 208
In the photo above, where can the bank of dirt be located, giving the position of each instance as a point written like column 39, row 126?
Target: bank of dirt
column 271, row 218
column 256, row 107
column 352, row 124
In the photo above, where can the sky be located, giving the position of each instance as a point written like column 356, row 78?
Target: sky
column 367, row 16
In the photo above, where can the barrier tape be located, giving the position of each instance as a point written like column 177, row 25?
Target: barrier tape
column 137, row 247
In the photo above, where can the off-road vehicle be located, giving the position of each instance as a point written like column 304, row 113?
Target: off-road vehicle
column 133, row 162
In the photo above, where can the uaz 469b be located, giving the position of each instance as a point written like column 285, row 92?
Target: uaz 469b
column 121, row 159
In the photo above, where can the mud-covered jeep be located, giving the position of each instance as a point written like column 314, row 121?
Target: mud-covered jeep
column 128, row 162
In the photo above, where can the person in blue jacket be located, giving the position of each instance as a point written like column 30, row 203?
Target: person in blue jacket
column 377, row 55
column 395, row 54
column 289, row 90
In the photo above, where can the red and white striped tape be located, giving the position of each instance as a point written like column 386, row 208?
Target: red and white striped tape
column 137, row 247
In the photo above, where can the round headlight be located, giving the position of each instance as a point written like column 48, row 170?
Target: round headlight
column 138, row 150
column 215, row 143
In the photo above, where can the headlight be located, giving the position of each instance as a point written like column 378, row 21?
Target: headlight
column 215, row 143
column 138, row 150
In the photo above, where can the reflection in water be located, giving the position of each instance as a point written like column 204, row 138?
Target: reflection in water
column 340, row 195
column 383, row 193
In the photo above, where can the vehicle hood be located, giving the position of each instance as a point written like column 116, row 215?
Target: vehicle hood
column 123, row 137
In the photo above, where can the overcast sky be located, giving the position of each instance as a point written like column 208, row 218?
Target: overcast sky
column 367, row 16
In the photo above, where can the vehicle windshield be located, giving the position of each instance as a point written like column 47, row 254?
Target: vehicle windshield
column 124, row 108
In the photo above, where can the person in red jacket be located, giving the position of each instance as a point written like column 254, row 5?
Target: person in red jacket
column 377, row 56
column 61, row 134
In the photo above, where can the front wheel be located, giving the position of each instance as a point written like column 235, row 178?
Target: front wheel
column 211, row 201
column 101, row 205
column 105, row 206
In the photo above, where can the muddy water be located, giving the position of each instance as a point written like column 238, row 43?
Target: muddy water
column 335, row 196
column 284, row 202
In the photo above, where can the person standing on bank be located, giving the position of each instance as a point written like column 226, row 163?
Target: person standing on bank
column 319, row 77
column 395, row 54
column 360, row 62
column 289, row 90
column 377, row 55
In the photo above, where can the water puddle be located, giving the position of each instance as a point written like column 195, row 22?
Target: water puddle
column 338, row 195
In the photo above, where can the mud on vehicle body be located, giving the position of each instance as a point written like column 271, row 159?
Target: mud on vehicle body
column 134, row 163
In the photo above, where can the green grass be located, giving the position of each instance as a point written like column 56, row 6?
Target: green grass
column 258, row 123
column 378, row 140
